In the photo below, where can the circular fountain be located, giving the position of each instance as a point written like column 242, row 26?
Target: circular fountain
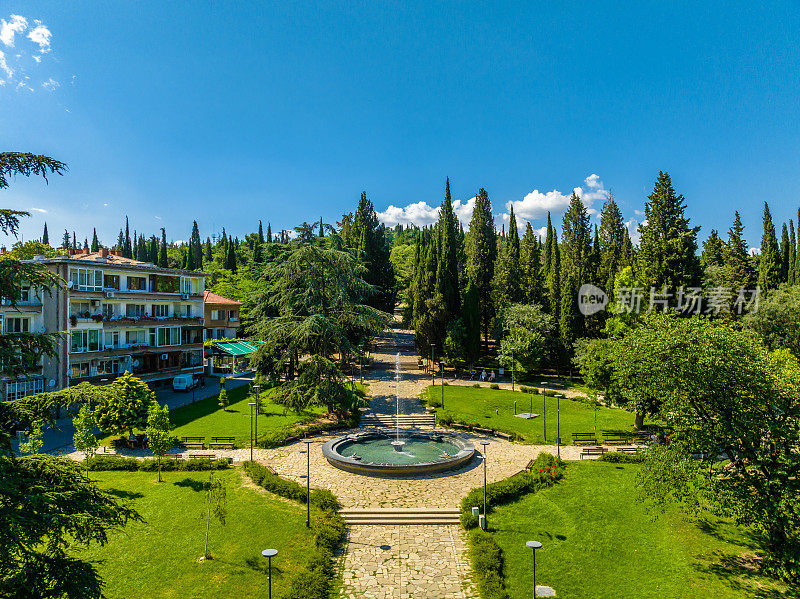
column 379, row 453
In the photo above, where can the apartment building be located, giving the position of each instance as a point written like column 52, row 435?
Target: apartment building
column 222, row 316
column 121, row 315
column 25, row 317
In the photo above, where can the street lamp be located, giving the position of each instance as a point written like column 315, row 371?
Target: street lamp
column 558, row 420
column 269, row 554
column 308, row 443
column 251, row 404
column 534, row 545
column 485, row 523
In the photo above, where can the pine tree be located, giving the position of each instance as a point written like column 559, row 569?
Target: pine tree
column 531, row 267
column 162, row 251
column 481, row 254
column 45, row 236
column 95, row 241
column 447, row 268
column 668, row 247
column 127, row 248
column 769, row 264
column 737, row 270
column 785, row 249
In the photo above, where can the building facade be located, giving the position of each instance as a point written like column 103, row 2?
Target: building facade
column 221, row 316
column 119, row 315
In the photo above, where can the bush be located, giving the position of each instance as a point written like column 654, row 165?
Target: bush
column 617, row 457
column 494, row 386
column 545, row 472
column 99, row 463
column 487, row 565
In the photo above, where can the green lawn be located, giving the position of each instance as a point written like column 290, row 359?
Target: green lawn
column 159, row 557
column 494, row 408
column 206, row 418
column 600, row 541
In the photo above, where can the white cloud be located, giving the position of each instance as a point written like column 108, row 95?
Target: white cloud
column 42, row 210
column 41, row 36
column 8, row 29
column 50, row 84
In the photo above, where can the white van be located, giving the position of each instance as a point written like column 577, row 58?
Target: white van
column 184, row 382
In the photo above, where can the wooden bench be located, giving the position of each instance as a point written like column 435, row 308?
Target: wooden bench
column 584, row 439
column 221, row 443
column 590, row 451
column 628, row 449
column 194, row 442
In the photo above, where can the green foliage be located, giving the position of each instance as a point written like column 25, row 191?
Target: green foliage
column 124, row 405
column 487, row 565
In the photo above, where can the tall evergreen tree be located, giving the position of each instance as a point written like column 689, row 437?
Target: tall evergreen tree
column 668, row 247
column 95, row 242
column 447, row 267
column 737, row 268
column 531, row 267
column 769, row 263
column 481, row 254
column 45, row 236
column 785, row 249
column 162, row 251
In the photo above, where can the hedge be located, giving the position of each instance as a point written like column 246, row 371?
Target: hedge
column 315, row 579
column 118, row 462
column 545, row 472
column 321, row 498
column 487, row 565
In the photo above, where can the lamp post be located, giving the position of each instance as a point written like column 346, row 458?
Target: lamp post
column 251, row 404
column 485, row 523
column 269, row 554
column 534, row 545
column 558, row 425
column 308, row 443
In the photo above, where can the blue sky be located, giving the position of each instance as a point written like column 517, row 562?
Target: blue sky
column 232, row 112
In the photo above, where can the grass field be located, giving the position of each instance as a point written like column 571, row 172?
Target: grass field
column 599, row 540
column 159, row 557
column 494, row 408
column 206, row 418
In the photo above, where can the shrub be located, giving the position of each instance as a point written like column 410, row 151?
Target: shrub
column 545, row 472
column 494, row 386
column 117, row 462
column 617, row 457
column 487, row 565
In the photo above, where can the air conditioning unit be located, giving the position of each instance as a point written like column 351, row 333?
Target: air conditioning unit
column 164, row 356
column 184, row 296
column 109, row 294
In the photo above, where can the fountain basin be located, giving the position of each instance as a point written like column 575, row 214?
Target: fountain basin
column 378, row 454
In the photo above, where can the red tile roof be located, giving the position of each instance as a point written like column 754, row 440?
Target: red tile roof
column 213, row 298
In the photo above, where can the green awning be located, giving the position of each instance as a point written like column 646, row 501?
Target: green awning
column 236, row 348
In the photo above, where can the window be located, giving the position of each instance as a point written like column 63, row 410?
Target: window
column 85, row 341
column 160, row 310
column 233, row 315
column 169, row 336
column 137, row 283
column 111, row 281
column 20, row 389
column 86, row 279
column 16, row 324
column 134, row 310
column 78, row 369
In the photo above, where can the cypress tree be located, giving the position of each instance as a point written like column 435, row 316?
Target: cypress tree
column 162, row 251
column 45, row 236
column 95, row 241
column 531, row 267
column 667, row 253
column 481, row 254
column 447, row 267
column 769, row 264
column 737, row 268
column 612, row 241
column 785, row 249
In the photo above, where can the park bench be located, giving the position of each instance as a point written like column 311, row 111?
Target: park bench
column 503, row 435
column 221, row 443
column 590, row 451
column 628, row 449
column 194, row 442
column 584, row 439
column 610, row 438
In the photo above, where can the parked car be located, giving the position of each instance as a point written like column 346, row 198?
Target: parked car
column 185, row 382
